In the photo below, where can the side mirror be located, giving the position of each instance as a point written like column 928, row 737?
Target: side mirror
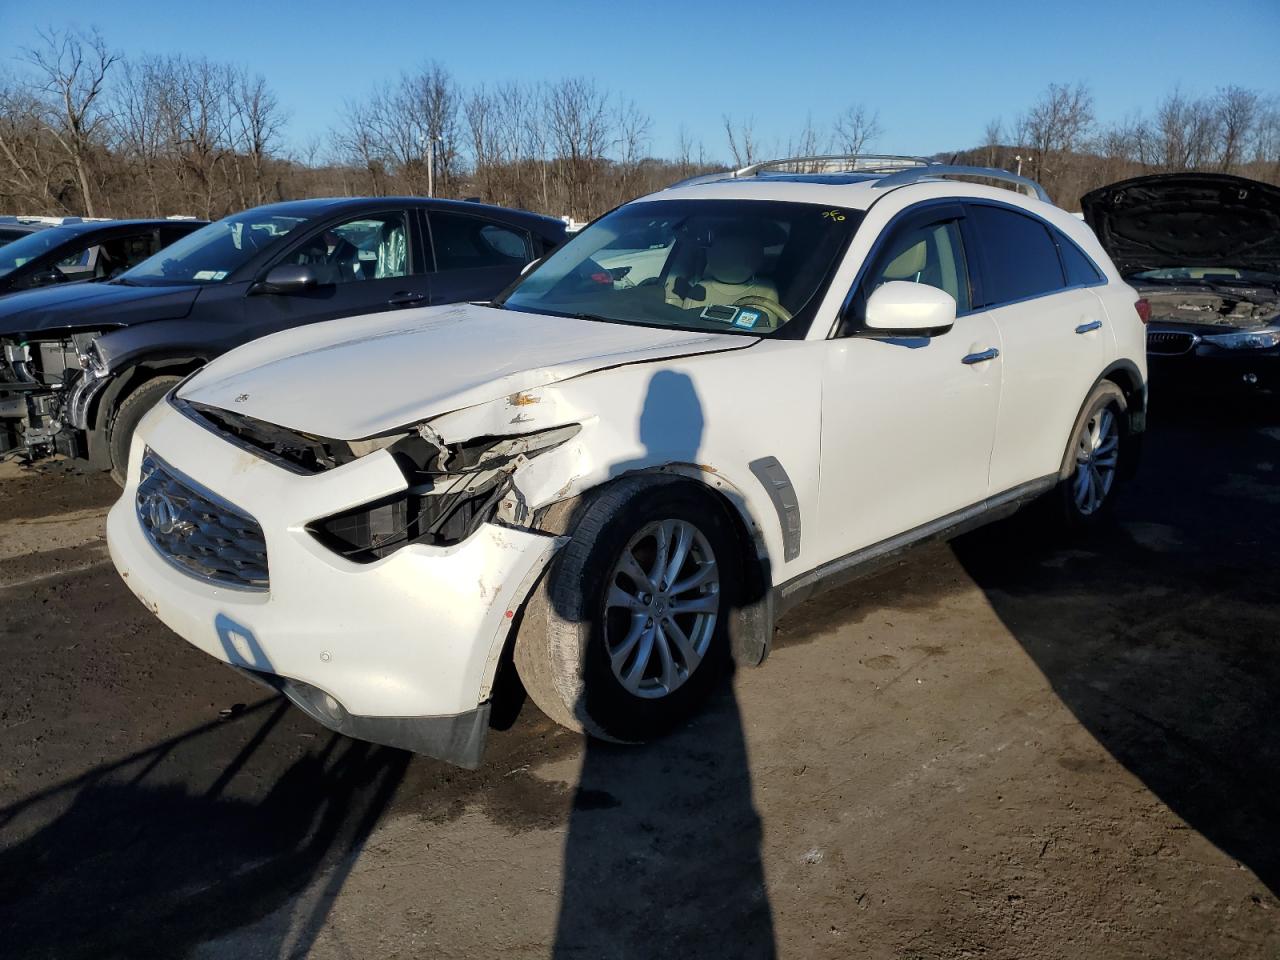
column 288, row 278
column 915, row 308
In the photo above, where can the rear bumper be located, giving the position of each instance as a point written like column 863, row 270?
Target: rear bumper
column 401, row 651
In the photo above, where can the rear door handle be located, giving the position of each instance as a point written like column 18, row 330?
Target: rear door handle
column 406, row 298
column 988, row 354
column 1089, row 326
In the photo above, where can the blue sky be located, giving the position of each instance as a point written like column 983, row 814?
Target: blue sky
column 937, row 72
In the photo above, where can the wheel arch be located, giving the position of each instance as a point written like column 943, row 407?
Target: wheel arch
column 751, row 623
column 101, row 412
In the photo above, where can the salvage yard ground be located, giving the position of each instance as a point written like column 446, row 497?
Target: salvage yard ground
column 995, row 749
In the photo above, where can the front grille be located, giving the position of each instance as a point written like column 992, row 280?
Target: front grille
column 1170, row 342
column 196, row 531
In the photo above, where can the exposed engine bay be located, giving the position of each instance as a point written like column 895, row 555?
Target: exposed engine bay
column 1244, row 309
column 36, row 381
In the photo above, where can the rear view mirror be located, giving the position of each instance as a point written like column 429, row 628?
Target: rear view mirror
column 288, row 278
column 917, row 308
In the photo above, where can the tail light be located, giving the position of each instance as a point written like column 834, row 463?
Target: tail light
column 1143, row 307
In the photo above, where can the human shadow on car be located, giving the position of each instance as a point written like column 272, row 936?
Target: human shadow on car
column 662, row 856
column 133, row 859
column 1160, row 634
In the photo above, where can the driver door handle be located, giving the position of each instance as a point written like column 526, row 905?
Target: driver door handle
column 406, row 298
column 988, row 354
column 1089, row 326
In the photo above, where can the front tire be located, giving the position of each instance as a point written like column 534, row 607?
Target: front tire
column 627, row 633
column 128, row 415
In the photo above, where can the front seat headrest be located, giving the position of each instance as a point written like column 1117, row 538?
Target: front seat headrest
column 907, row 264
column 733, row 258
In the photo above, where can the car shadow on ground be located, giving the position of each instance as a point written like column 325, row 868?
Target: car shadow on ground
column 1159, row 632
column 168, row 849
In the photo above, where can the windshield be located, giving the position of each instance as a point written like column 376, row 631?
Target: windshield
column 15, row 254
column 1208, row 276
column 731, row 266
column 213, row 253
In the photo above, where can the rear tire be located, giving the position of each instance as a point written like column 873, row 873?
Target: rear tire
column 128, row 415
column 611, row 642
column 1085, row 497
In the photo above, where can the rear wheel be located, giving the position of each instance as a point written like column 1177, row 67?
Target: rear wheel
column 1087, row 493
column 128, row 415
column 626, row 635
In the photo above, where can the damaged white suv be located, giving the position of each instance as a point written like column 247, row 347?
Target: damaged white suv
column 708, row 404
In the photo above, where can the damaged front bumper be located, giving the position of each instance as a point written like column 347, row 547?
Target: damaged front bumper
column 401, row 650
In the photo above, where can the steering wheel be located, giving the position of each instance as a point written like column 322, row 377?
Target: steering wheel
column 774, row 309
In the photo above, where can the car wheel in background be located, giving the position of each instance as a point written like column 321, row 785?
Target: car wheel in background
column 128, row 415
column 627, row 633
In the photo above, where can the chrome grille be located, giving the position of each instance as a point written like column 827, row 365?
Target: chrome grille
column 198, row 532
column 1170, row 342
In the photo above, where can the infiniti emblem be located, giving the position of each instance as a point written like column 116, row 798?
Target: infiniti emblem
column 163, row 516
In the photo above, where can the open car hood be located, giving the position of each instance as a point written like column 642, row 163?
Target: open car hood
column 1187, row 220
column 363, row 376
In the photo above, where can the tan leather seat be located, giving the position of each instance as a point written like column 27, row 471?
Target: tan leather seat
column 909, row 264
column 729, row 275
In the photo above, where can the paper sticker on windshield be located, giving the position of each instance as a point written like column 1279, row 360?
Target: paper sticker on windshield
column 747, row 318
column 209, row 275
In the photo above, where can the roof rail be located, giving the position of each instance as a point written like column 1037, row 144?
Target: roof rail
column 826, row 163
column 912, row 174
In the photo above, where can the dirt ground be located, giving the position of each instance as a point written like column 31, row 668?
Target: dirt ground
column 996, row 749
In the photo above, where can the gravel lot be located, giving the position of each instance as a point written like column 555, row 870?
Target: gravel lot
column 995, row 749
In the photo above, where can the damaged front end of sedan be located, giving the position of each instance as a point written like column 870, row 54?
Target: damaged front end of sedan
column 451, row 489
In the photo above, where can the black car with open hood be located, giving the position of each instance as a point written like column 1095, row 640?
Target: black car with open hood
column 1204, row 250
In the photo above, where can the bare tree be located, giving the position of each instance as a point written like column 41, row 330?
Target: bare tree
column 1238, row 110
column 1053, row 129
column 73, row 68
column 743, row 145
column 991, row 140
column 257, row 121
column 856, row 128
column 579, row 127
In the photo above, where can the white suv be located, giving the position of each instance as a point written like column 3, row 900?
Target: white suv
column 705, row 406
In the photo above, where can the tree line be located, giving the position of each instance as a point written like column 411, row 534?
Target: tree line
column 87, row 131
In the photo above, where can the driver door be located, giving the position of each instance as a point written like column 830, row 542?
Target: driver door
column 908, row 423
column 368, row 264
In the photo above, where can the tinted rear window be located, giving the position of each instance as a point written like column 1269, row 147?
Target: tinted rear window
column 1080, row 269
column 1020, row 256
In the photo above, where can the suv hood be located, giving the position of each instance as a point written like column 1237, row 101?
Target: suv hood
column 96, row 305
column 362, row 376
column 1187, row 220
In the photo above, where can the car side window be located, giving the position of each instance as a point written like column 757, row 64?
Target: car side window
column 1079, row 268
column 462, row 242
column 1019, row 256
column 365, row 248
column 929, row 253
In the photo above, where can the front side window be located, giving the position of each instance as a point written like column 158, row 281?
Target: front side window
column 728, row 266
column 368, row 248
column 931, row 254
column 463, row 243
column 213, row 253
column 1018, row 254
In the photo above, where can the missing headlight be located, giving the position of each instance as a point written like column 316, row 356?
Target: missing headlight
column 452, row 490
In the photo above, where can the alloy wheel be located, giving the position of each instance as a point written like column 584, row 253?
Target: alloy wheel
column 1097, row 453
column 661, row 608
